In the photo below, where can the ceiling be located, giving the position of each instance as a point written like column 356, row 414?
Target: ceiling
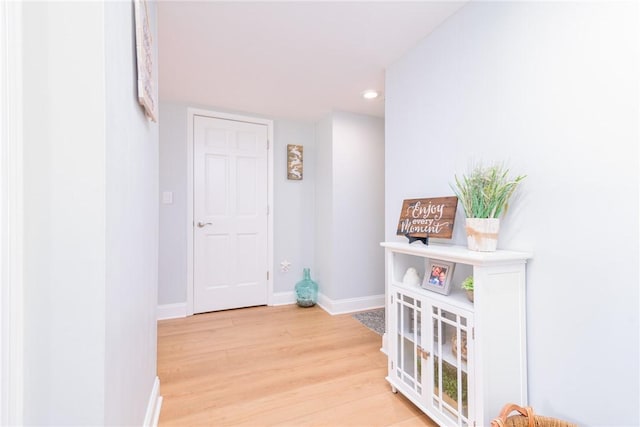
column 287, row 60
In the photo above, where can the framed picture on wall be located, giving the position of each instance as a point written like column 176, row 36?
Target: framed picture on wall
column 144, row 59
column 294, row 162
column 437, row 276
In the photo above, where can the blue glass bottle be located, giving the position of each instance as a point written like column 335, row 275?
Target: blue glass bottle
column 306, row 290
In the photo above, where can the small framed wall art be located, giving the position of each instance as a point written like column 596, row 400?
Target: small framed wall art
column 144, row 59
column 294, row 162
column 437, row 276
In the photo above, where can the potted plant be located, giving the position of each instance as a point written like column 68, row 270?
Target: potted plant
column 467, row 285
column 484, row 194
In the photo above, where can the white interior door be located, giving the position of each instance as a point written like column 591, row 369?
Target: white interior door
column 230, row 214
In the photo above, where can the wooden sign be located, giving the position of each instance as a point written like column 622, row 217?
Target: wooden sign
column 424, row 218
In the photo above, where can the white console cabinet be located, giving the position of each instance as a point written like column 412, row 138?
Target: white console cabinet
column 458, row 361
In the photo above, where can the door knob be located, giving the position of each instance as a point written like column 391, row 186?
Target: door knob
column 202, row 224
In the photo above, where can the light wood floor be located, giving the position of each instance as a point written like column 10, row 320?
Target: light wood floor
column 276, row 366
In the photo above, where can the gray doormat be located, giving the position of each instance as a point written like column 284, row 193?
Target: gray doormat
column 373, row 319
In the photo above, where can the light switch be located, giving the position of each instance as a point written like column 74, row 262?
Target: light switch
column 167, row 197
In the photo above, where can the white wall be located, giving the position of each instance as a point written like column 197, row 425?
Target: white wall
column 90, row 214
column 131, row 227
column 172, row 259
column 358, row 205
column 349, row 208
column 65, row 215
column 11, row 218
column 324, row 238
column 293, row 208
column 551, row 88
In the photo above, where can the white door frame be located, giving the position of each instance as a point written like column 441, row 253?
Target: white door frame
column 11, row 214
column 191, row 113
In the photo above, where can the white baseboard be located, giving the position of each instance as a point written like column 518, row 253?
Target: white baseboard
column 283, row 298
column 171, row 311
column 154, row 406
column 350, row 305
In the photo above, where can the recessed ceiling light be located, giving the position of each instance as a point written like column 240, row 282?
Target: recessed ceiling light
column 370, row 94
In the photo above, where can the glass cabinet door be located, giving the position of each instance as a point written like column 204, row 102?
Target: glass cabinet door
column 452, row 343
column 407, row 367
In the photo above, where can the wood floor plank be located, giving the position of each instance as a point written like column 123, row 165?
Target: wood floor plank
column 267, row 366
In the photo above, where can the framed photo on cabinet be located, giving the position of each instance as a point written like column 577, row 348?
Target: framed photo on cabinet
column 437, row 276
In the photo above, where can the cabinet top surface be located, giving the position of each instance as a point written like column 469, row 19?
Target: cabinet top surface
column 456, row 253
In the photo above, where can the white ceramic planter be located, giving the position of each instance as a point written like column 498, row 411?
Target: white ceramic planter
column 482, row 234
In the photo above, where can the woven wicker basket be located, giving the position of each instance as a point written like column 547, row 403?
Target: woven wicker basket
column 526, row 418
